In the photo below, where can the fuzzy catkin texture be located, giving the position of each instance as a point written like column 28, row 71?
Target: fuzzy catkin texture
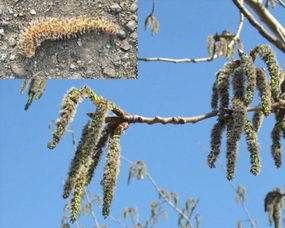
column 59, row 28
column 257, row 120
column 249, row 70
column 234, row 130
column 268, row 56
column 24, row 85
column 91, row 135
column 252, row 145
column 264, row 91
column 111, row 172
column 215, row 96
column 75, row 166
column 216, row 140
column 75, row 203
column 36, row 89
column 221, row 85
column 276, row 145
column 98, row 150
column 277, row 215
column 239, row 84
column 41, row 89
column 67, row 111
column 273, row 206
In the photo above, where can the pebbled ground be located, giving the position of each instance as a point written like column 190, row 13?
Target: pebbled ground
column 92, row 55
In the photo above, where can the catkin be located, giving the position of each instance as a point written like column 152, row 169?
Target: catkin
column 59, row 28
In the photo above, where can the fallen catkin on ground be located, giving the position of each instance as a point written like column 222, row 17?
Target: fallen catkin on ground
column 60, row 28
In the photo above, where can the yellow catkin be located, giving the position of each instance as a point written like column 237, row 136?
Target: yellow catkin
column 59, row 28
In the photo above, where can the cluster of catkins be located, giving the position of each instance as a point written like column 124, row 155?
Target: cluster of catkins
column 244, row 78
column 218, row 44
column 273, row 204
column 96, row 134
column 36, row 89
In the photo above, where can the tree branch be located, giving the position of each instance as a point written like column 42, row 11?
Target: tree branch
column 281, row 3
column 178, row 120
column 268, row 19
column 206, row 59
column 199, row 60
column 279, row 30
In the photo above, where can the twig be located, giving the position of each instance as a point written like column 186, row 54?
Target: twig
column 207, row 59
column 198, row 60
column 277, row 43
column 281, row 3
column 153, row 7
column 237, row 35
column 91, row 209
column 153, row 182
column 268, row 19
column 178, row 120
column 244, row 207
column 250, row 219
column 118, row 221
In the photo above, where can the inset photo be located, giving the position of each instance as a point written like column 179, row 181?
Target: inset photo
column 76, row 39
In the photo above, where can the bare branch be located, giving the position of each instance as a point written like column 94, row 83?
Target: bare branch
column 199, row 60
column 268, row 19
column 153, row 182
column 237, row 35
column 207, row 59
column 178, row 120
column 281, row 3
column 96, row 223
column 280, row 45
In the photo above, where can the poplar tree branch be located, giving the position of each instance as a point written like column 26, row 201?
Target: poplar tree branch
column 178, row 120
column 265, row 16
column 268, row 19
column 199, row 60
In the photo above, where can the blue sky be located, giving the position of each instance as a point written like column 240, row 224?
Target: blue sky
column 32, row 176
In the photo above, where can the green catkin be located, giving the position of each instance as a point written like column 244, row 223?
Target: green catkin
column 68, row 108
column 252, row 145
column 281, row 125
column 24, row 85
column 34, row 89
column 264, row 91
column 276, row 145
column 222, row 83
column 75, row 202
column 89, row 140
column 215, row 96
column 250, row 72
column 238, row 84
column 273, row 206
column 98, row 152
column 216, row 138
column 40, row 89
column 257, row 120
column 76, row 165
column 277, row 208
column 234, row 129
column 268, row 56
column 111, row 171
